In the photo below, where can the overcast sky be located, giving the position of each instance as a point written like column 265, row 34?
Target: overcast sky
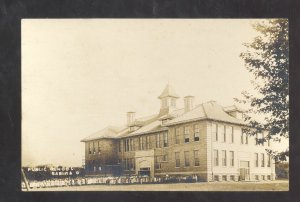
column 78, row 76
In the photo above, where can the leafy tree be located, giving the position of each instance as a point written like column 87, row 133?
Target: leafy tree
column 267, row 58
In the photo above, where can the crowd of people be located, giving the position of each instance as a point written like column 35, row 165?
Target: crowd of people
column 101, row 180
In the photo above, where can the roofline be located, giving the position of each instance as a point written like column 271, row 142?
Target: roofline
column 99, row 139
column 203, row 118
column 148, row 132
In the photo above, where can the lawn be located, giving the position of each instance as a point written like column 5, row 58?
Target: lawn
column 280, row 185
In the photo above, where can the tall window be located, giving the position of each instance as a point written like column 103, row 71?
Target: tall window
column 224, row 158
column 196, row 133
column 165, row 139
column 157, row 162
column 263, row 139
column 90, row 148
column 186, row 158
column 177, row 136
column 269, row 160
column 229, row 130
column 256, row 159
column 131, row 145
column 231, row 153
column 221, row 131
column 214, row 132
column 94, row 148
column 262, row 160
column 244, row 137
column 99, row 149
column 165, row 157
column 196, row 158
column 120, row 146
column 157, row 140
column 177, row 159
column 224, row 133
column 141, row 143
column 216, row 157
column 148, row 142
column 186, row 135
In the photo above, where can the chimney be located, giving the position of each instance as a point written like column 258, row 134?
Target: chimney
column 130, row 117
column 188, row 103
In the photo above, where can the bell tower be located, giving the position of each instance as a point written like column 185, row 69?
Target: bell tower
column 168, row 100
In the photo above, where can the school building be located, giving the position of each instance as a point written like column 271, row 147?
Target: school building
column 206, row 141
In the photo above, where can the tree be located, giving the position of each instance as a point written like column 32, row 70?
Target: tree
column 267, row 58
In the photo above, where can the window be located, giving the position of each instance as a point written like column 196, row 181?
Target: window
column 186, row 135
column 244, row 137
column 256, row 177
column 144, row 142
column 232, row 178
column 94, row 148
column 231, row 153
column 262, row 177
column 119, row 148
column 262, row 160
column 221, row 131
column 268, row 177
column 229, row 131
column 165, row 139
column 127, row 145
column 256, row 159
column 177, row 159
column 214, row 132
column 216, row 177
column 216, row 158
column 165, row 157
column 157, row 163
column 157, row 140
column 263, row 139
column 177, row 136
column 141, row 143
column 147, row 142
column 131, row 145
column 224, row 178
column 196, row 158
column 186, row 159
column 173, row 102
column 99, row 149
column 224, row 158
column 196, row 133
column 224, row 133
column 90, row 148
column 269, row 160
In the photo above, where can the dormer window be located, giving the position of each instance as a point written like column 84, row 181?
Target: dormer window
column 164, row 121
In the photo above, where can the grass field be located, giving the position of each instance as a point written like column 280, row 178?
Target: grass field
column 281, row 185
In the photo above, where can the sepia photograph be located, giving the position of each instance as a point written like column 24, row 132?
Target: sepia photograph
column 155, row 104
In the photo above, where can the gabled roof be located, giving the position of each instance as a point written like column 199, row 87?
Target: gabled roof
column 108, row 132
column 168, row 92
column 206, row 111
column 209, row 110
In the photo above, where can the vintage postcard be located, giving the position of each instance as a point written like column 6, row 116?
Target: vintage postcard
column 155, row 105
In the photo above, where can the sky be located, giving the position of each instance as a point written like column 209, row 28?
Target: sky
column 78, row 76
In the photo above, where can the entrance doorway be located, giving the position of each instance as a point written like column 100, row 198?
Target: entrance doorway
column 244, row 170
column 144, row 171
